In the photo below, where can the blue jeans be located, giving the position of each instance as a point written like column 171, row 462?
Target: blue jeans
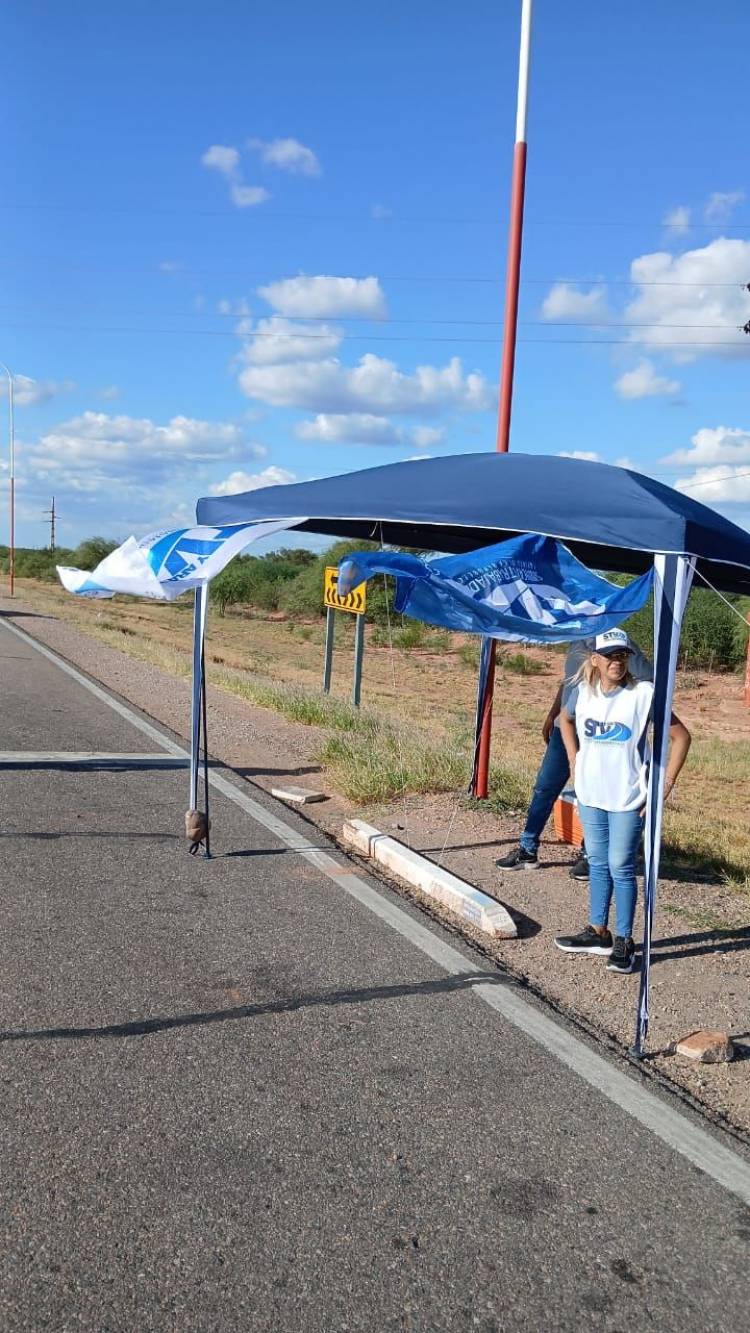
column 612, row 838
column 554, row 773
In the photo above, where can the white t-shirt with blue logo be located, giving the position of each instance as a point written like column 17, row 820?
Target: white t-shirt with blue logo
column 638, row 666
column 612, row 764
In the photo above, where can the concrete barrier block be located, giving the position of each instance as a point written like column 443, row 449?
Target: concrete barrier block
column 466, row 901
column 297, row 795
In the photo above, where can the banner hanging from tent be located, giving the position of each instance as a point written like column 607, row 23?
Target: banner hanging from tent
column 527, row 589
column 164, row 565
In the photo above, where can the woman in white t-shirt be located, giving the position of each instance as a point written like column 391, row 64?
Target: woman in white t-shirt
column 604, row 724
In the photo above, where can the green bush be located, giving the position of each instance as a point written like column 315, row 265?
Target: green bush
column 411, row 634
column 303, row 596
column 258, row 581
column 712, row 635
column 90, row 553
column 38, row 564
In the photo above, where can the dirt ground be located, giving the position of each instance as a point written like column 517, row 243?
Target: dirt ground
column 701, row 973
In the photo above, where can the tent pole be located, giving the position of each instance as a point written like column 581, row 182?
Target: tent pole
column 207, row 852
column 673, row 577
column 199, row 630
column 512, row 282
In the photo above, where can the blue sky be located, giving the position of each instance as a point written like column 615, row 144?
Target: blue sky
column 244, row 244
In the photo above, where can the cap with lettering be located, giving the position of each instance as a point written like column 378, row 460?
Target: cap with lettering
column 611, row 641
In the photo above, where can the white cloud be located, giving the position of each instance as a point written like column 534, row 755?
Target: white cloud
column 720, row 205
column 717, row 485
column 223, row 158
column 325, row 297
column 248, row 481
column 109, row 393
column 724, row 444
column 95, row 450
column 565, row 301
column 349, row 428
column 374, row 385
column 170, row 266
column 585, row 455
column 226, row 160
column 677, row 219
column 239, row 309
column 28, row 392
column 698, row 297
column 276, row 341
column 288, row 155
column 365, row 428
column 643, row 382
column 425, row 436
column 380, row 212
column 247, row 196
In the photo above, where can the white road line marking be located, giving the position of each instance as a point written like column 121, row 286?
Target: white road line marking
column 32, row 757
column 700, row 1148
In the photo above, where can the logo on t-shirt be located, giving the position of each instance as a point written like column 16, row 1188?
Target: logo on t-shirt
column 606, row 731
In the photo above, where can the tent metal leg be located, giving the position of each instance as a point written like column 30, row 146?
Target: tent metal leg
column 207, row 852
column 674, row 575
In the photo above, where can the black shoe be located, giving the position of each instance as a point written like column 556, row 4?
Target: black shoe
column 622, row 957
column 589, row 941
column 518, row 859
column 580, row 868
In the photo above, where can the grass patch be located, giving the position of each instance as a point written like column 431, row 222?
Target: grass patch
column 521, row 664
column 388, row 763
column 469, row 653
column 727, row 760
column 411, row 635
column 298, row 705
column 705, row 920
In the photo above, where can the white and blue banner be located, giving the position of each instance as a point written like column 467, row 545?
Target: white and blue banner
column 527, row 589
column 164, row 565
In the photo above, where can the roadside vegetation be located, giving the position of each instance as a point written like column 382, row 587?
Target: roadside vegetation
column 415, row 733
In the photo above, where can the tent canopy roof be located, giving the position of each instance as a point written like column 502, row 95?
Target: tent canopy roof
column 610, row 517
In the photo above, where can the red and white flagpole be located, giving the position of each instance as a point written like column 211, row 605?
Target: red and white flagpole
column 512, row 282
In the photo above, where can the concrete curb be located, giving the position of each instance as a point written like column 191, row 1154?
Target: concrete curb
column 483, row 912
column 297, row 795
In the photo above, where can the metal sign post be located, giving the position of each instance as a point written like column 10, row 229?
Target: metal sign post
column 359, row 650
column 328, row 658
column 355, row 603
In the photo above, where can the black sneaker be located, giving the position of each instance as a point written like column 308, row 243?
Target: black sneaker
column 589, row 941
column 518, row 859
column 580, row 868
column 622, row 957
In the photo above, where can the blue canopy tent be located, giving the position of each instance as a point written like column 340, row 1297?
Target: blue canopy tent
column 609, row 518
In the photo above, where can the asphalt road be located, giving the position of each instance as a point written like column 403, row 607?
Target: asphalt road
column 235, row 1098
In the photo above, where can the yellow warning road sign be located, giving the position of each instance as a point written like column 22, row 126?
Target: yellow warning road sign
column 355, row 601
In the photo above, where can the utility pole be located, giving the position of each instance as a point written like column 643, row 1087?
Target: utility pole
column 52, row 515
column 512, row 282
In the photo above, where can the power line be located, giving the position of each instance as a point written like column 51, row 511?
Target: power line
column 370, row 338
column 435, row 280
column 273, row 216
column 714, row 481
column 412, row 320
